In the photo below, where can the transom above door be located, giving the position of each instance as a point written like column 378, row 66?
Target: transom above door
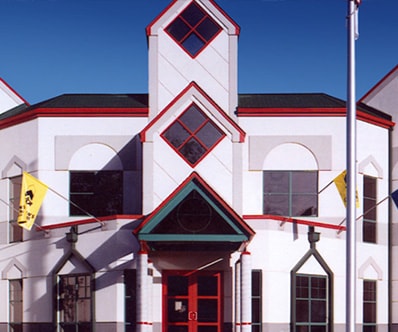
column 192, row 301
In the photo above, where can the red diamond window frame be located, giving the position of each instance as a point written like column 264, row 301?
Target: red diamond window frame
column 192, row 134
column 192, row 30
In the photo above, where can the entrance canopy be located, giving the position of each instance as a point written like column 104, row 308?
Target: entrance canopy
column 194, row 217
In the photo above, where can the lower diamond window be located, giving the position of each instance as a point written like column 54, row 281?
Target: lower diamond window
column 193, row 135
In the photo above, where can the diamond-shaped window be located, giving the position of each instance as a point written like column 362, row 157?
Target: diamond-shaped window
column 193, row 135
column 193, row 29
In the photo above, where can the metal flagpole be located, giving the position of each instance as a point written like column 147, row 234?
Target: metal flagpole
column 351, row 172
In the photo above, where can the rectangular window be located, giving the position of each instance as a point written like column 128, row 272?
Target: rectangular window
column 257, row 300
column 98, row 193
column 130, row 303
column 311, row 303
column 369, row 226
column 369, row 305
column 16, row 305
column 74, row 303
column 16, row 231
column 290, row 193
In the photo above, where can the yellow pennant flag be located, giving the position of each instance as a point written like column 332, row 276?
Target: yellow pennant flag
column 341, row 184
column 32, row 195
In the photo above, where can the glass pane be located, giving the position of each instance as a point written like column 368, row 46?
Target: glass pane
column 369, row 328
column 173, row 328
column 369, row 209
column 318, row 311
column 178, row 29
column 192, row 151
column 207, row 310
column 193, row 44
column 256, row 283
column 207, row 285
column 256, row 328
column 207, row 29
column 192, row 118
column 302, row 328
column 177, row 286
column 302, row 311
column 68, row 328
column 82, row 182
column 369, row 312
column 177, row 310
column 318, row 288
column 176, row 135
column 316, row 328
column 207, row 328
column 304, row 182
column 369, row 187
column 84, row 310
column 369, row 290
column 276, row 182
column 276, row 205
column 369, row 231
column 84, row 327
column 304, row 205
column 192, row 14
column 209, row 135
column 256, row 310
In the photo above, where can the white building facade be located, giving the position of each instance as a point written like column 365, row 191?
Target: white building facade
column 192, row 208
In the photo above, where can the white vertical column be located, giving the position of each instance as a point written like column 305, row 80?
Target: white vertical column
column 238, row 288
column 143, row 324
column 246, row 292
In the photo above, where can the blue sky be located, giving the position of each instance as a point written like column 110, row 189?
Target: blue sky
column 51, row 47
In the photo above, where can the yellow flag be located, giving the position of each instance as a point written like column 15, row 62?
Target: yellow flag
column 32, row 195
column 341, row 184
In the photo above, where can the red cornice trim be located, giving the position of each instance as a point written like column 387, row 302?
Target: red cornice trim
column 242, row 134
column 72, row 112
column 16, row 93
column 378, row 83
column 312, row 112
column 294, row 220
column 89, row 221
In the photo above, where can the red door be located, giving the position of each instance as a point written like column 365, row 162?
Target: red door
column 192, row 301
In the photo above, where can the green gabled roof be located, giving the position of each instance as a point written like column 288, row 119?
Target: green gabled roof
column 194, row 214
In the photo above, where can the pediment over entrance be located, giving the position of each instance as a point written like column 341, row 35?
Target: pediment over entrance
column 194, row 217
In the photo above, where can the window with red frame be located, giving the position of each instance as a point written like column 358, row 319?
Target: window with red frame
column 193, row 29
column 193, row 135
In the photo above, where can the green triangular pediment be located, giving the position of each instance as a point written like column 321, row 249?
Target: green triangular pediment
column 194, row 214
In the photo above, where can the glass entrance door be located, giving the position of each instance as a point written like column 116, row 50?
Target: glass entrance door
column 192, row 301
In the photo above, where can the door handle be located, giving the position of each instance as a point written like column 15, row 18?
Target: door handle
column 192, row 315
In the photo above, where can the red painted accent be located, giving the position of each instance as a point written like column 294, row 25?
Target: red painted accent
column 195, row 86
column 379, row 83
column 89, row 221
column 144, row 323
column 72, row 112
column 246, row 253
column 13, row 91
column 149, row 27
column 196, row 176
column 312, row 112
column 191, row 299
column 294, row 220
column 246, row 323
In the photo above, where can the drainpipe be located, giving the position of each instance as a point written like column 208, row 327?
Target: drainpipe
column 246, row 292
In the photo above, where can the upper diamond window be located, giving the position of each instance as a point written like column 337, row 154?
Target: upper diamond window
column 193, row 29
column 193, row 135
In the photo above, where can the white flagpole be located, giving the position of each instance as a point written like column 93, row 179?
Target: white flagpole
column 351, row 173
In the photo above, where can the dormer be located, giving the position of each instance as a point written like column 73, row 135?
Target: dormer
column 192, row 41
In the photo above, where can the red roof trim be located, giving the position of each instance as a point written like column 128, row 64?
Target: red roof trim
column 312, row 112
column 196, row 176
column 72, row 112
column 149, row 27
column 293, row 220
column 16, row 93
column 242, row 134
column 378, row 83
column 89, row 221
